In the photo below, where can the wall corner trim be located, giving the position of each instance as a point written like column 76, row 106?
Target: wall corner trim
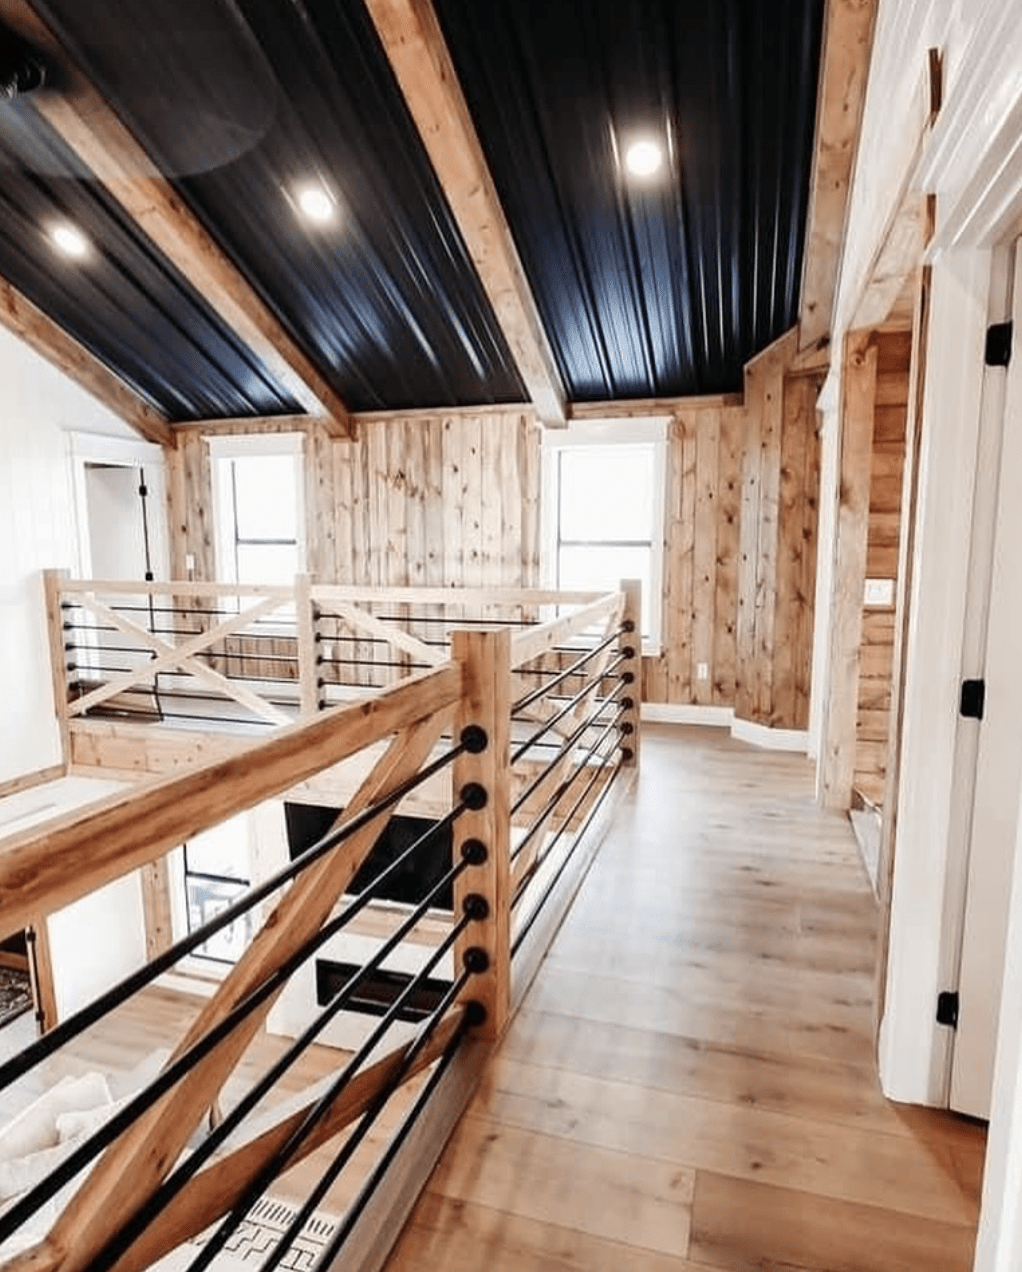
column 762, row 735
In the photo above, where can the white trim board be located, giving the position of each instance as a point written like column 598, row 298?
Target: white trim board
column 687, row 713
column 771, row 739
column 724, row 718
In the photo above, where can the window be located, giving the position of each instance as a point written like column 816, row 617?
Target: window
column 216, row 874
column 604, row 500
column 259, row 514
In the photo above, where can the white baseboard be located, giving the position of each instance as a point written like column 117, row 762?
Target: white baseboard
column 771, row 739
column 685, row 713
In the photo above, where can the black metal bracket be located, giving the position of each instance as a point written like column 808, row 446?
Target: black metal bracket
column 973, row 699
column 476, row 960
column 474, row 852
column 998, row 346
column 475, row 907
column 947, row 1009
column 474, row 739
column 474, row 796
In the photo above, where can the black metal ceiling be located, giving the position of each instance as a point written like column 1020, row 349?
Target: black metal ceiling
column 125, row 301
column 243, row 101
column 664, row 287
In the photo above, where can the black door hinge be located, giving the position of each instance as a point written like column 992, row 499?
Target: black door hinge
column 974, row 693
column 998, row 350
column 143, row 491
column 947, row 1009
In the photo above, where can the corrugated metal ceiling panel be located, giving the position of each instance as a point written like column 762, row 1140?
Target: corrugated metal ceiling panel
column 243, row 102
column 124, row 301
column 664, row 287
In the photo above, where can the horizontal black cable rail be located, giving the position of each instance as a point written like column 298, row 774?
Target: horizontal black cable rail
column 565, row 740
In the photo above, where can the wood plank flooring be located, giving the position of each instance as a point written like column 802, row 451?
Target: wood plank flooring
column 690, row 1086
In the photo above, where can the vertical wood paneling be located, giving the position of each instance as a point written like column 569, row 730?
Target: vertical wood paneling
column 454, row 500
column 732, row 428
column 876, row 662
column 704, row 554
column 838, row 749
column 681, row 549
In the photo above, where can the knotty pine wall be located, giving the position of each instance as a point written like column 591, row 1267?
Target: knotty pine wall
column 454, row 500
column 777, row 555
column 876, row 655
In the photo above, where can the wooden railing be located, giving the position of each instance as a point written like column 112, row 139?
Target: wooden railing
column 524, row 724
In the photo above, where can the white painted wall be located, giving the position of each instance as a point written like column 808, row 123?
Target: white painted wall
column 96, row 942
column 37, row 531
column 99, row 940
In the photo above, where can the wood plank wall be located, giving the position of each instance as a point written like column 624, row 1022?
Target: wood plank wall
column 702, row 510
column 777, row 557
column 421, row 499
column 454, row 499
column 876, row 657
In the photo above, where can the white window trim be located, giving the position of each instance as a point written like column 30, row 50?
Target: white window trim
column 645, row 430
column 239, row 446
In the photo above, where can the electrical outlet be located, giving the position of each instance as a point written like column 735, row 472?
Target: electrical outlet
column 702, row 671
column 189, row 561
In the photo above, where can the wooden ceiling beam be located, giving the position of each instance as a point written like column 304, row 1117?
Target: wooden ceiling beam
column 91, row 128
column 641, row 407
column 414, row 43
column 847, row 44
column 19, row 315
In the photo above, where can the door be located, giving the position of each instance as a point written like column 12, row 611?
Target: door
column 998, row 752
column 116, row 525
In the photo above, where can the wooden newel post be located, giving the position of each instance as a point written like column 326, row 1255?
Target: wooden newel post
column 484, row 833
column 308, row 650
column 53, row 581
column 632, row 614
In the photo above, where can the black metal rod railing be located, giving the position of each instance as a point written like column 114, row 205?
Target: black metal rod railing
column 366, row 1123
column 379, row 1173
column 526, row 927
column 315, row 1115
column 567, row 746
column 561, row 676
column 585, row 692
column 107, row 1002
column 174, row 1182
column 565, row 785
column 36, row 1197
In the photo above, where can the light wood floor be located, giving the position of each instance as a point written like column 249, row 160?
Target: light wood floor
column 690, row 1083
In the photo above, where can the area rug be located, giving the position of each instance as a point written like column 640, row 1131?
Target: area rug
column 15, row 994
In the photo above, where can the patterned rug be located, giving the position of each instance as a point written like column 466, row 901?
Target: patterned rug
column 15, row 994
column 266, row 1223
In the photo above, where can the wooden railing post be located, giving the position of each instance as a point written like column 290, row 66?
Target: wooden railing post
column 53, row 580
column 632, row 589
column 485, row 833
column 308, row 665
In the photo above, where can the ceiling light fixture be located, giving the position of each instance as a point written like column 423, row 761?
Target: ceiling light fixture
column 72, row 242
column 315, row 204
column 643, row 158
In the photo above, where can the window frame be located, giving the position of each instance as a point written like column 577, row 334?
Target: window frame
column 651, row 431
column 228, row 447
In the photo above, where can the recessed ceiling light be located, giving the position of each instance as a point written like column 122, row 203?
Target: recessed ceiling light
column 643, row 158
column 315, row 204
column 72, row 242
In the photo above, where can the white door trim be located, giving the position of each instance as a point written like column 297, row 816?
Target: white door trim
column 914, row 1050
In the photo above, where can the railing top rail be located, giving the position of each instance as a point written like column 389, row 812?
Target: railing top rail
column 178, row 587
column 534, row 641
column 455, row 595
column 45, row 867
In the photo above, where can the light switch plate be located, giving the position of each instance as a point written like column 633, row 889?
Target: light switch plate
column 879, row 593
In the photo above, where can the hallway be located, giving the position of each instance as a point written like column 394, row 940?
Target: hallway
column 689, row 1085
